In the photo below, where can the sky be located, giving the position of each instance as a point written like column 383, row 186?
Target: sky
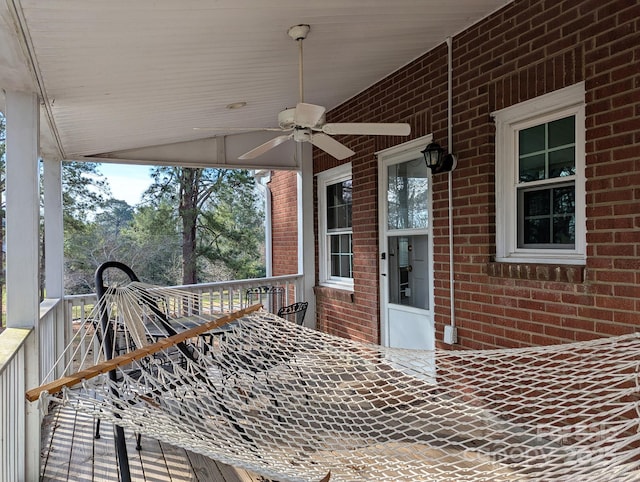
column 127, row 182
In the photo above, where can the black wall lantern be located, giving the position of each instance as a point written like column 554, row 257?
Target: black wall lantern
column 437, row 160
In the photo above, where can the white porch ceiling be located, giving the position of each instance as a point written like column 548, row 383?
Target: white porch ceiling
column 120, row 75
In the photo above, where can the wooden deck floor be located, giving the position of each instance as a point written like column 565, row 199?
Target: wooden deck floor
column 70, row 452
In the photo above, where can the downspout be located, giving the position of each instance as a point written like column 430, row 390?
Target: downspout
column 450, row 332
column 262, row 180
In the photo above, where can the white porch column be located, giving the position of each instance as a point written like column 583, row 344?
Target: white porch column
column 54, row 252
column 262, row 181
column 23, row 207
column 22, row 219
column 53, row 228
column 306, row 243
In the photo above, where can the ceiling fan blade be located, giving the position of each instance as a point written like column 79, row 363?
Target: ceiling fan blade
column 367, row 129
column 262, row 148
column 331, row 146
column 308, row 115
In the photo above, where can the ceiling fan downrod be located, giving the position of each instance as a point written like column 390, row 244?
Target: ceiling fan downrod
column 299, row 33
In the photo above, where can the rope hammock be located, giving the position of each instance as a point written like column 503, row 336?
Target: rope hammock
column 291, row 403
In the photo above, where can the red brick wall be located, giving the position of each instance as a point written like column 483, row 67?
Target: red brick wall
column 527, row 49
column 284, row 222
column 354, row 314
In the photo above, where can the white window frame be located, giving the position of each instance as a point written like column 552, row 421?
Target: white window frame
column 326, row 178
column 509, row 121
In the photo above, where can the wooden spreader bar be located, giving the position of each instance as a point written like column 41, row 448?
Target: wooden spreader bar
column 106, row 366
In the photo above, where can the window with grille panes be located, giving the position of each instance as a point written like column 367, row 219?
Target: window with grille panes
column 540, row 179
column 334, row 223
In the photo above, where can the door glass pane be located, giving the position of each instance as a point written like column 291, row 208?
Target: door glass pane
column 409, row 270
column 407, row 195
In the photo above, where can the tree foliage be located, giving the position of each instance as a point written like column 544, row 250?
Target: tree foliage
column 193, row 225
column 206, row 220
column 154, row 233
column 221, row 223
column 84, row 192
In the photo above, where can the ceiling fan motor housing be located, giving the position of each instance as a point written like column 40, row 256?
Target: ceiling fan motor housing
column 286, row 120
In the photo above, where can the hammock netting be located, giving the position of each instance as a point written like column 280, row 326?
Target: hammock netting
column 291, row 403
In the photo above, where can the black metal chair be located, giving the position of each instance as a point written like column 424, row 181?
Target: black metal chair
column 271, row 297
column 294, row 312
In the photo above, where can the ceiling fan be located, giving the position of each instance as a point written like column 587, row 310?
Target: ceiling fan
column 306, row 122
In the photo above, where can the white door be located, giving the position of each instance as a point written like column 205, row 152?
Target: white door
column 405, row 251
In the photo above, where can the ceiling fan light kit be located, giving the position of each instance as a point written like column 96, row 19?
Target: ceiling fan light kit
column 306, row 122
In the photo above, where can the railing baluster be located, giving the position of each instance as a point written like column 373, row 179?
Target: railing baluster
column 221, row 297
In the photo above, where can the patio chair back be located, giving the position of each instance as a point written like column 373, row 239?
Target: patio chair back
column 271, row 297
column 294, row 312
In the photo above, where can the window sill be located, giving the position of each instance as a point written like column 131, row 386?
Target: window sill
column 334, row 293
column 337, row 285
column 565, row 273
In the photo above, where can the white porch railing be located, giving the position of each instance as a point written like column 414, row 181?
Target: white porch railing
column 20, row 421
column 54, row 331
column 52, row 338
column 229, row 295
column 12, row 402
column 222, row 296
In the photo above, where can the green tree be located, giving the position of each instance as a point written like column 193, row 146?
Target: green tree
column 115, row 217
column 219, row 218
column 80, row 259
column 234, row 232
column 85, row 191
column 154, row 234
